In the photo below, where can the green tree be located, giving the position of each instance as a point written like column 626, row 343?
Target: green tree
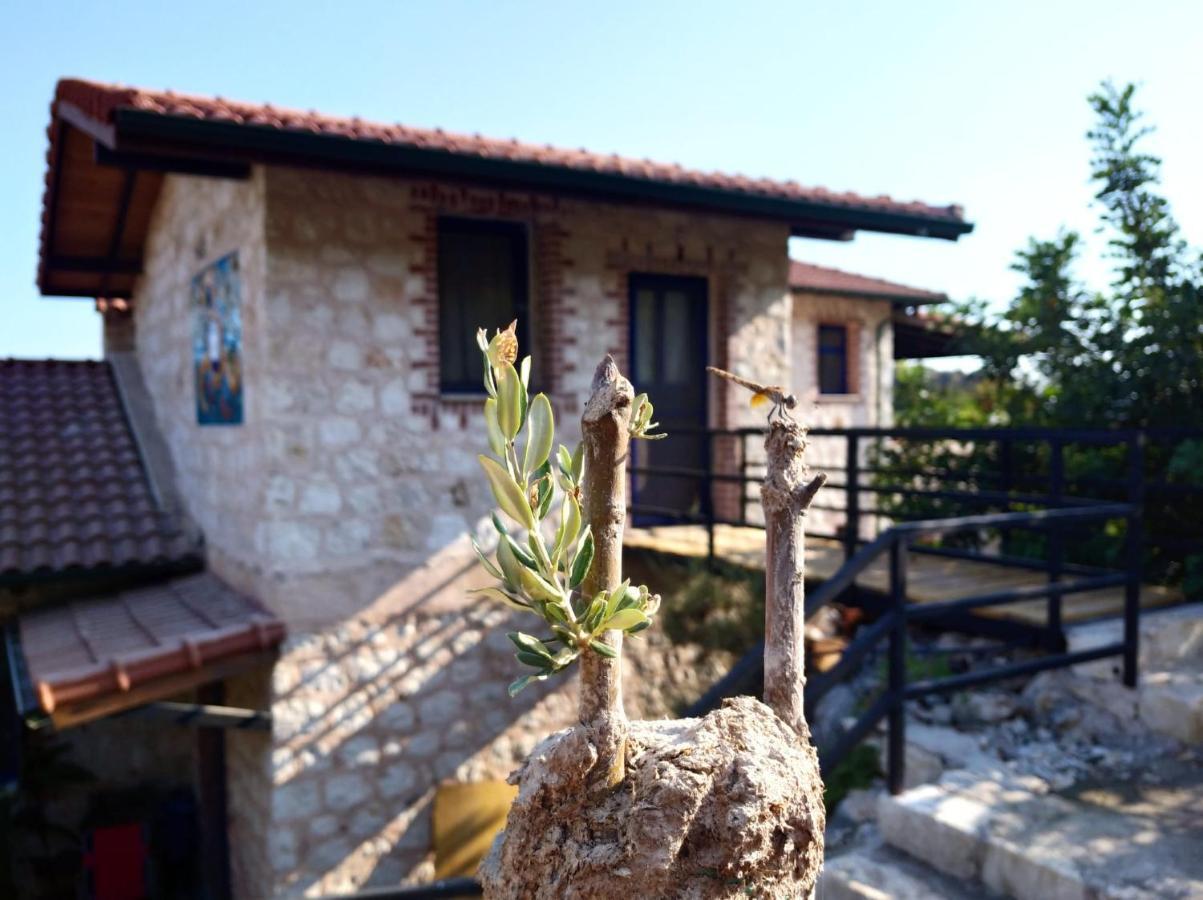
column 1059, row 354
column 1126, row 357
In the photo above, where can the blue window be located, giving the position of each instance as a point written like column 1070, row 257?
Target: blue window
column 833, row 359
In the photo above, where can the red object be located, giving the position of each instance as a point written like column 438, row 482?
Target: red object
column 116, row 863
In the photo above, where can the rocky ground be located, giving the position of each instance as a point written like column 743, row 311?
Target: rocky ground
column 1077, row 797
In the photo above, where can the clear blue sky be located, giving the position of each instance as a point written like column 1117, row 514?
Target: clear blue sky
column 980, row 104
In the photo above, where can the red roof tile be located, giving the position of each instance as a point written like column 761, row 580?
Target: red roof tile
column 74, row 495
column 824, row 280
column 101, row 101
column 79, row 653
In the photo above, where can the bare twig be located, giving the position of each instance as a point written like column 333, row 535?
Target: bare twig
column 604, row 428
column 786, row 495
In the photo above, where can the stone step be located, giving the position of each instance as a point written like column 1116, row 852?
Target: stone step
column 882, row 873
column 1169, row 638
column 1168, row 698
column 1129, row 840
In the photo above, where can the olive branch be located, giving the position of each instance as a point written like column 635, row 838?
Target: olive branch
column 542, row 572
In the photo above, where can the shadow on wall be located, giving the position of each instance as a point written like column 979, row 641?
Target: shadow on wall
column 372, row 714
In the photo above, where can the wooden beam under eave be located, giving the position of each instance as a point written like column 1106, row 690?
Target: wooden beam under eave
column 72, row 714
column 95, row 265
column 115, row 239
column 158, row 162
column 821, row 232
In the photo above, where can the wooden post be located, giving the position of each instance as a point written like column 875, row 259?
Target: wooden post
column 785, row 496
column 604, row 428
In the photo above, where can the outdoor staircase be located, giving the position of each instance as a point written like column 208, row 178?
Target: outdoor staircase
column 978, row 829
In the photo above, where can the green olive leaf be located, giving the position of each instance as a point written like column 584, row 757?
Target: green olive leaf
column 616, row 596
column 564, row 461
column 529, row 644
column 510, row 395
column 493, row 428
column 509, row 496
column 538, row 588
column 578, row 462
column 486, row 562
column 624, row 619
column 517, row 685
column 532, row 659
column 604, row 649
column 520, row 553
column 570, row 525
column 501, row 597
column 584, row 558
column 540, row 433
column 511, row 568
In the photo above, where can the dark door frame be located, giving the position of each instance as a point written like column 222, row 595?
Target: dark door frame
column 636, row 279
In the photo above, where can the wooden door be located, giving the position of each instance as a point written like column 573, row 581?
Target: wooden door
column 668, row 361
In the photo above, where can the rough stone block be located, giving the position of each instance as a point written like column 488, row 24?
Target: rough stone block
column 345, row 790
column 322, row 497
column 345, row 355
column 336, row 431
column 940, row 828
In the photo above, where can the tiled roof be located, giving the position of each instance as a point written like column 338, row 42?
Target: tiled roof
column 824, row 280
column 78, row 653
column 100, row 101
column 74, row 495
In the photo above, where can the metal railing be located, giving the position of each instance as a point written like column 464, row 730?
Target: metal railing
column 890, row 628
column 1002, row 469
column 1007, row 485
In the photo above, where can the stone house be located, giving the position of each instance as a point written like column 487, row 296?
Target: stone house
column 847, row 330
column 294, row 296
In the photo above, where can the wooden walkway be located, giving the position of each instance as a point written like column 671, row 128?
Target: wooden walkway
column 930, row 579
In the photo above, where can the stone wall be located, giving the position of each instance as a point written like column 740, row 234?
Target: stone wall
column 198, row 221
column 369, row 470
column 871, row 381
column 345, row 501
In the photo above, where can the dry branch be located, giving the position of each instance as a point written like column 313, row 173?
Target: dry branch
column 604, row 427
column 786, row 494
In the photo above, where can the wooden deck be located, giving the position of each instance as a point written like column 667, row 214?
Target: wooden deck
column 930, row 578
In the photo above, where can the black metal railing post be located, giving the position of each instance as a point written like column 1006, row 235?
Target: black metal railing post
column 1056, row 542
column 896, row 688
column 851, row 496
column 743, row 478
column 1133, row 551
column 1006, row 453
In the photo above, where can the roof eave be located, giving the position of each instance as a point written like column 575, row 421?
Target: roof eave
column 145, row 131
column 896, row 299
